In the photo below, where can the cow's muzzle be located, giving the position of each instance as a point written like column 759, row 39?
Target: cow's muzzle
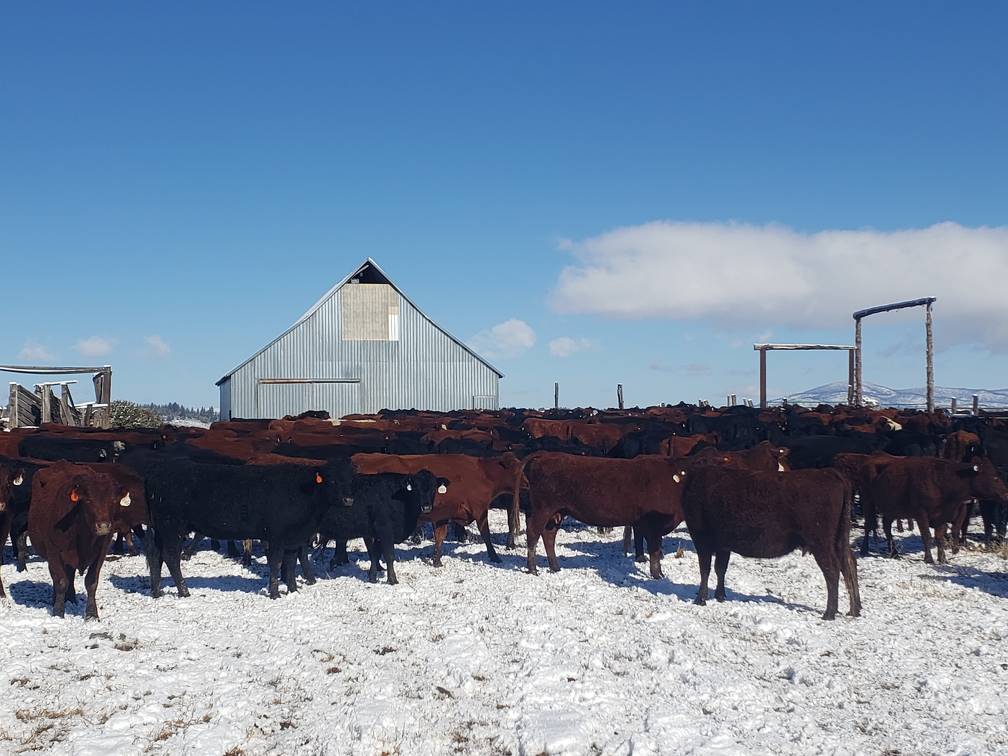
column 103, row 528
column 427, row 507
column 348, row 501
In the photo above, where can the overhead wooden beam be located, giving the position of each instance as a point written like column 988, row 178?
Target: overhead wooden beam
column 895, row 306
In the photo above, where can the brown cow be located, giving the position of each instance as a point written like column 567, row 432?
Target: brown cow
column 11, row 476
column 769, row 515
column 70, row 525
column 935, row 492
column 475, row 483
column 644, row 491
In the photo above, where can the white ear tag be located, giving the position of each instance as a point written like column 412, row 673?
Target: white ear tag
column 676, row 478
column 976, row 468
column 409, row 486
column 125, row 501
column 780, row 467
column 19, row 479
column 442, row 489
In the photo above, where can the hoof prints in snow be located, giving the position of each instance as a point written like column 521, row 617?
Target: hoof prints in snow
column 485, row 659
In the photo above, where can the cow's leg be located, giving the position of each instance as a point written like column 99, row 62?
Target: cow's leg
column 247, row 552
column 940, row 536
column 899, row 524
column 173, row 558
column 627, row 539
column 91, row 582
column 604, row 531
column 274, row 558
column 440, row 531
column 483, row 523
column 388, row 553
column 71, row 589
column 512, row 528
column 130, row 544
column 22, row 551
column 638, row 543
column 459, row 533
column 704, row 555
column 191, row 548
column 720, row 568
column 117, row 547
column 340, row 553
column 58, row 573
column 5, row 523
column 533, row 529
column 287, row 568
column 870, row 524
column 306, row 566
column 831, row 572
column 925, row 531
column 549, row 535
column 372, row 550
column 848, row 568
column 887, row 529
column 232, row 549
column 154, row 561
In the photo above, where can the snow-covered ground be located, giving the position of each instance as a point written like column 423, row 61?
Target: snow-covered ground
column 480, row 658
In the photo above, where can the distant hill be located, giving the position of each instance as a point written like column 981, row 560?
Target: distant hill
column 836, row 393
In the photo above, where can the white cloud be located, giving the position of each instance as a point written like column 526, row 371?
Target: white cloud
column 507, row 339
column 157, row 346
column 32, row 351
column 565, row 346
column 95, row 346
column 774, row 276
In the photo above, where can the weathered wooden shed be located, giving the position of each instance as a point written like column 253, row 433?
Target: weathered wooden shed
column 363, row 347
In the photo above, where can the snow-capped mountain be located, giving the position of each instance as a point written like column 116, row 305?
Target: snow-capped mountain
column 836, row 393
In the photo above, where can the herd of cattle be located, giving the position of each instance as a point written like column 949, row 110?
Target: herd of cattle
column 760, row 483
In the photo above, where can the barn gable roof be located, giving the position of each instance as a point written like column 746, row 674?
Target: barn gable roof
column 370, row 270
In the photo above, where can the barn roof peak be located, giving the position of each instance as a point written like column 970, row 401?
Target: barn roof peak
column 367, row 272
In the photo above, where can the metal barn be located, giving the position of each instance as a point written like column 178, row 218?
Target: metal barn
column 363, row 347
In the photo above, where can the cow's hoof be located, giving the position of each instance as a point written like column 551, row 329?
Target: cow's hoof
column 533, row 571
column 372, row 578
column 91, row 617
column 699, row 601
column 310, row 581
column 185, row 556
column 554, row 569
column 393, row 581
column 155, row 594
column 829, row 616
column 183, row 592
column 437, row 563
column 719, row 598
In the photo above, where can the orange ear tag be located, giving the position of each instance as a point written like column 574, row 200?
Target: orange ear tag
column 318, row 478
column 74, row 496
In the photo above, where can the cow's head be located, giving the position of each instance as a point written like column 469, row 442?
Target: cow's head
column 96, row 497
column 422, row 487
column 984, row 481
column 333, row 482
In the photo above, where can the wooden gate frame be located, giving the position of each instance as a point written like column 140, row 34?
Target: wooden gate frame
column 101, row 377
column 926, row 303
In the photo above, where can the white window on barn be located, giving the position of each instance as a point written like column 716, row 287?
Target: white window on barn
column 369, row 312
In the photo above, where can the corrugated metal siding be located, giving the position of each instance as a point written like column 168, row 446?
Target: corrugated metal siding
column 424, row 369
column 225, row 400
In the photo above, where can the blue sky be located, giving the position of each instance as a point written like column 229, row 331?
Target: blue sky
column 179, row 183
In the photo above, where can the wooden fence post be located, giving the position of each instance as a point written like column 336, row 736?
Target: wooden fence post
column 953, row 405
column 930, row 358
column 556, row 396
column 976, row 404
column 619, row 395
column 858, row 387
column 762, row 378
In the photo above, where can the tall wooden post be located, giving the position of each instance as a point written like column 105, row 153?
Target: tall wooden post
column 930, row 358
column 556, row 396
column 858, row 386
column 619, row 395
column 762, row 378
column 976, row 405
column 850, row 376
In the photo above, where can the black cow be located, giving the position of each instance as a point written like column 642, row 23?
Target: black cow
column 384, row 511
column 280, row 504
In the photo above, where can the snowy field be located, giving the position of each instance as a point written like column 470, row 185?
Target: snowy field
column 485, row 659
